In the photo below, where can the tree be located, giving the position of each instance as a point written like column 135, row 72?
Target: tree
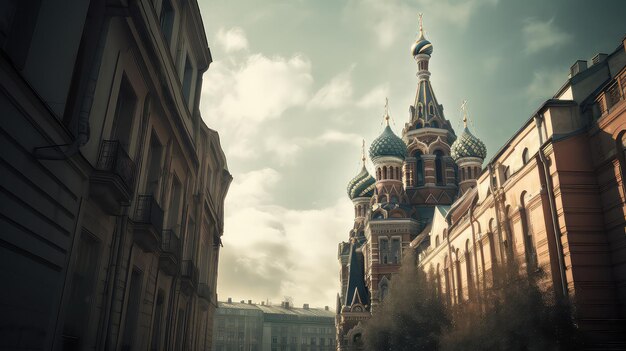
column 412, row 316
column 515, row 314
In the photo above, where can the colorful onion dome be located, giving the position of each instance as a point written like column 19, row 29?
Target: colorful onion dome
column 388, row 144
column 421, row 45
column 362, row 185
column 468, row 146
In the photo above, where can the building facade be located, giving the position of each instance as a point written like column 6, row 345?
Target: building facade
column 253, row 327
column 112, row 185
column 551, row 198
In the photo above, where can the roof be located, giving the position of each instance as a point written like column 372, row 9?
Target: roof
column 362, row 185
column 356, row 279
column 388, row 144
column 278, row 310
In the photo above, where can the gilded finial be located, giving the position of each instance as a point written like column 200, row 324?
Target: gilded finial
column 464, row 109
column 387, row 111
column 421, row 25
column 363, row 152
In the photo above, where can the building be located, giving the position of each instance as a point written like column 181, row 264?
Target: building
column 552, row 198
column 112, row 185
column 253, row 327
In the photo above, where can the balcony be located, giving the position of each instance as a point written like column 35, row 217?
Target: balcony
column 170, row 252
column 148, row 220
column 113, row 180
column 189, row 276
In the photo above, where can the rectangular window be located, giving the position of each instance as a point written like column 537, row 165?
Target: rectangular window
column 132, row 310
column 167, row 20
column 156, row 323
column 82, row 292
column 188, row 82
column 395, row 250
column 154, row 165
column 125, row 113
column 383, row 250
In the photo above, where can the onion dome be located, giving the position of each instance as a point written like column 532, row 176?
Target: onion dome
column 421, row 45
column 388, row 144
column 468, row 146
column 362, row 185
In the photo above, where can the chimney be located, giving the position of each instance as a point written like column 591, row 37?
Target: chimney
column 325, row 308
column 598, row 58
column 578, row 67
column 287, row 304
column 249, row 302
column 262, row 303
column 242, row 301
column 230, row 300
column 305, row 306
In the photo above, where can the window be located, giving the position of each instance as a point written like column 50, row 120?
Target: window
column 125, row 113
column 419, row 168
column 384, row 291
column 431, row 111
column 469, row 173
column 156, row 324
column 167, row 20
column 132, row 310
column 395, row 250
column 384, row 250
column 507, row 173
column 437, row 240
column 439, row 167
column 82, row 291
column 175, row 204
column 384, row 172
column 525, row 156
column 155, row 159
column 188, row 81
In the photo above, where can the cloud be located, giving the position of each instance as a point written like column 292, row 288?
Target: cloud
column 232, row 40
column 539, row 35
column 337, row 93
column 375, row 97
column 544, row 84
column 240, row 96
column 285, row 149
column 285, row 252
column 387, row 19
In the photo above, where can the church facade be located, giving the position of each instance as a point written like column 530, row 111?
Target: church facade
column 552, row 198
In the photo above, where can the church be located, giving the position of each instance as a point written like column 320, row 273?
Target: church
column 551, row 197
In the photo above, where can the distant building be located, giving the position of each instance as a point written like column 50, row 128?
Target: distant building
column 253, row 327
column 553, row 197
column 112, row 186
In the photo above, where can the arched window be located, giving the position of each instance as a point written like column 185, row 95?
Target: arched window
column 446, row 277
column 525, row 156
column 398, row 173
column 445, row 233
column 459, row 280
column 420, row 114
column 384, row 172
column 383, row 250
column 419, row 168
column 437, row 241
column 396, row 251
column 378, row 175
column 469, row 173
column 529, row 244
column 464, row 174
column 438, row 278
column 439, row 167
column 431, row 109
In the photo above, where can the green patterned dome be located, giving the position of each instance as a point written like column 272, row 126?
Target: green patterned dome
column 468, row 146
column 388, row 144
column 362, row 185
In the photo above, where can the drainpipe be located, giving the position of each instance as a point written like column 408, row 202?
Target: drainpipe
column 553, row 212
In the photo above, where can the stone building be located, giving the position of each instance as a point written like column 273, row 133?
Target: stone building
column 112, row 185
column 253, row 327
column 552, row 198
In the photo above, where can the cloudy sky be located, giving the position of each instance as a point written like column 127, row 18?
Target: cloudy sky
column 296, row 84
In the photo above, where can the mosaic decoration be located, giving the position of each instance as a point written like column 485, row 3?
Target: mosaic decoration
column 362, row 185
column 388, row 144
column 468, row 146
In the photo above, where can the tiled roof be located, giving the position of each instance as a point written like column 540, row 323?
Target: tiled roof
column 388, row 144
column 468, row 146
column 362, row 185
